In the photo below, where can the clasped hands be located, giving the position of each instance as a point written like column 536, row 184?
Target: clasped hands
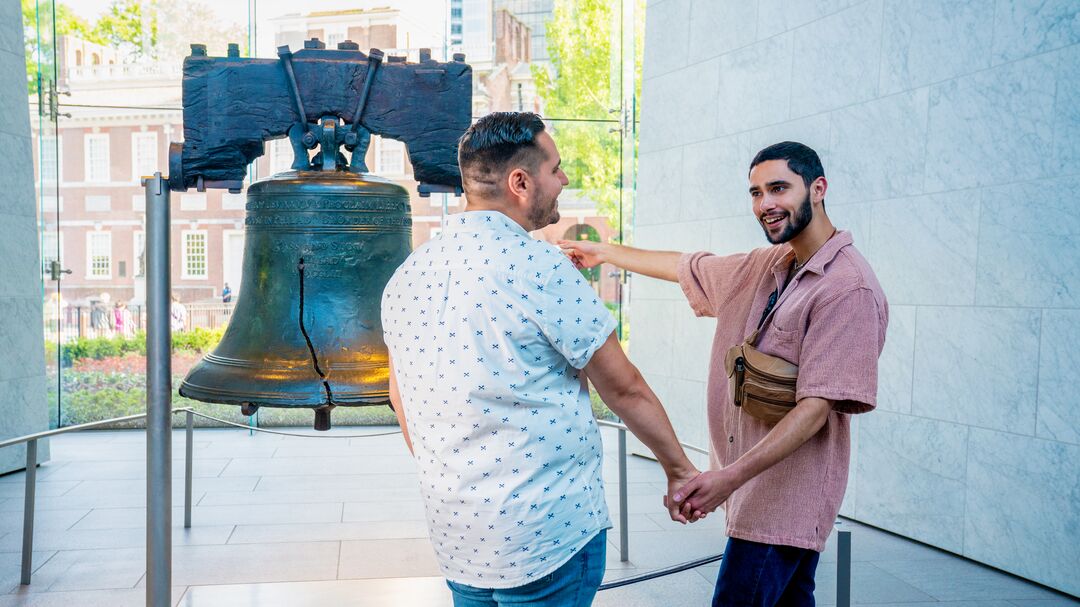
column 692, row 494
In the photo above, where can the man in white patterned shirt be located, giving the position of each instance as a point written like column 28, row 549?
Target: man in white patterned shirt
column 491, row 334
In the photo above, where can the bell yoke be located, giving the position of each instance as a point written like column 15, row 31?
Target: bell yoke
column 322, row 239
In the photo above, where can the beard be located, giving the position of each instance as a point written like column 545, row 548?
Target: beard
column 543, row 213
column 796, row 223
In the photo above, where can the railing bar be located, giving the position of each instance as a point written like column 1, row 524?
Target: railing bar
column 624, row 515
column 843, row 569
column 650, row 575
column 189, row 446
column 28, row 512
column 257, row 429
column 617, row 425
column 29, row 437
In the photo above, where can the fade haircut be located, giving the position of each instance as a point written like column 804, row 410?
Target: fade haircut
column 494, row 146
column 801, row 159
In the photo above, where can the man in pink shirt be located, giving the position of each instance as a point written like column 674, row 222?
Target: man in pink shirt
column 817, row 305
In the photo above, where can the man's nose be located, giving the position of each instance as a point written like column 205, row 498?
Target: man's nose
column 563, row 179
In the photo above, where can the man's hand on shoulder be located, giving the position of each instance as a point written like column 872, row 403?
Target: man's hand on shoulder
column 584, row 253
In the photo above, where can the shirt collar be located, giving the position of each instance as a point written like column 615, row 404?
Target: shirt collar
column 818, row 260
column 475, row 221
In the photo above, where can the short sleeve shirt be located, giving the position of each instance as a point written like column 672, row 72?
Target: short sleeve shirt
column 488, row 328
column 830, row 320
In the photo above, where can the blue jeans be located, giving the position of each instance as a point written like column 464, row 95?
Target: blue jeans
column 765, row 575
column 573, row 584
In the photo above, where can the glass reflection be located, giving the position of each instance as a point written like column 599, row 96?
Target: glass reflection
column 104, row 89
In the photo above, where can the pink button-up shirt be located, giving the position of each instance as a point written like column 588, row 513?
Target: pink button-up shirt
column 830, row 320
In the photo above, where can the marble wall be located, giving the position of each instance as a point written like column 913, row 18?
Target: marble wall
column 22, row 361
column 950, row 135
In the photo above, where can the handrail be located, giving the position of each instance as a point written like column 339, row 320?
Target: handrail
column 268, row 431
column 88, row 425
column 611, row 424
column 29, row 437
column 651, row 575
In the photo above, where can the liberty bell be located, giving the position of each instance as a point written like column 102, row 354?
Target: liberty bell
column 323, row 239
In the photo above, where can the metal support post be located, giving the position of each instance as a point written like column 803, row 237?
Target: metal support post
column 624, row 516
column 158, row 397
column 843, row 569
column 188, row 455
column 28, row 513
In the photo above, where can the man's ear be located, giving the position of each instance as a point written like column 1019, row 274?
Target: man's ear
column 818, row 188
column 518, row 183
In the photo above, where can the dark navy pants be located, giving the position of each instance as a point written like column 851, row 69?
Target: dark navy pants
column 765, row 575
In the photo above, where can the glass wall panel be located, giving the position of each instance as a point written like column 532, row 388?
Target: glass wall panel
column 117, row 106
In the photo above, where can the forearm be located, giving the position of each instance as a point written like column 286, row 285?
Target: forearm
column 802, row 423
column 657, row 264
column 641, row 411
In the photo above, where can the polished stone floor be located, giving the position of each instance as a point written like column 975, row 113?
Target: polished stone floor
column 297, row 522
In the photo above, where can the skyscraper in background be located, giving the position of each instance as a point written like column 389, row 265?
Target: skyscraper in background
column 535, row 15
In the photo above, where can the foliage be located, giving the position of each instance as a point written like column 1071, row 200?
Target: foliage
column 88, row 396
column 67, row 22
column 584, row 45
column 197, row 340
column 98, row 348
column 599, row 409
column 122, row 25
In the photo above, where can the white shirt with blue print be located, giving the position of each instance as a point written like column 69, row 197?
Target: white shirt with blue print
column 487, row 328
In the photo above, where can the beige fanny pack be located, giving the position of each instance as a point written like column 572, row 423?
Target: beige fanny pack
column 761, row 384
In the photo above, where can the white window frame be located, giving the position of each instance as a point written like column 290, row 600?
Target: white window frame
column 102, row 175
column 103, row 203
column 138, row 238
column 185, row 254
column 137, row 162
column 138, row 202
column 90, row 238
column 46, row 148
column 48, row 253
column 391, row 171
column 193, row 201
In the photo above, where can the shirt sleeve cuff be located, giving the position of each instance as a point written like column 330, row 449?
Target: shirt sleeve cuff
column 605, row 331
column 691, row 286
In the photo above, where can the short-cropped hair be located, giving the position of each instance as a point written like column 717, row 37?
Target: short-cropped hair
column 801, row 159
column 495, row 145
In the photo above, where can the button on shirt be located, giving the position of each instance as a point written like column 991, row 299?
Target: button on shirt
column 487, row 328
column 830, row 319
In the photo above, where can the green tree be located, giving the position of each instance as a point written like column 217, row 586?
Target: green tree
column 583, row 38
column 67, row 22
column 130, row 26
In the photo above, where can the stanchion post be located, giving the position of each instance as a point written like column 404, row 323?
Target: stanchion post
column 843, row 569
column 624, row 516
column 158, row 396
column 28, row 513
column 189, row 445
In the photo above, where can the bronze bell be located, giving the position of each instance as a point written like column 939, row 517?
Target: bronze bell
column 319, row 248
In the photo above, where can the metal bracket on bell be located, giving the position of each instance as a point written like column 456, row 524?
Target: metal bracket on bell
column 358, row 138
column 328, row 144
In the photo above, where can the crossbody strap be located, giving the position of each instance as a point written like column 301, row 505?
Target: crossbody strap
column 774, row 297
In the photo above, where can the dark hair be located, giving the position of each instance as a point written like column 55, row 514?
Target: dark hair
column 801, row 159
column 496, row 143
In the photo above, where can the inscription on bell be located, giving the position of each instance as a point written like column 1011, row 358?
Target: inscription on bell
column 368, row 203
column 333, row 219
